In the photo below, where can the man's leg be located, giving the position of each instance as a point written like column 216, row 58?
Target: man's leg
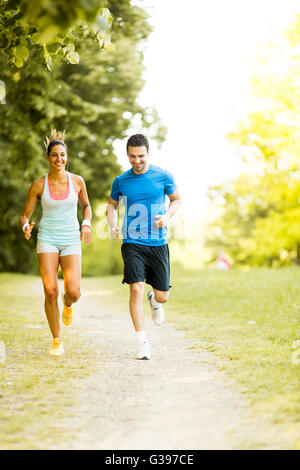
column 156, row 299
column 137, row 315
column 134, row 275
column 136, row 305
column 158, row 275
column 161, row 296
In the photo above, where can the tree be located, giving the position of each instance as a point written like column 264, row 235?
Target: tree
column 94, row 101
column 48, row 30
column 259, row 216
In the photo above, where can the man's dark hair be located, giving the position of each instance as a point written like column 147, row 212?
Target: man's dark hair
column 137, row 140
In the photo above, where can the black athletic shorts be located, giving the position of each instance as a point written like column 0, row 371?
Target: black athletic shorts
column 146, row 263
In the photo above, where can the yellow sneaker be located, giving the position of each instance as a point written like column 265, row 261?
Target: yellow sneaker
column 67, row 315
column 57, row 347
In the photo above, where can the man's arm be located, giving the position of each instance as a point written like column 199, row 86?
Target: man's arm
column 112, row 217
column 175, row 201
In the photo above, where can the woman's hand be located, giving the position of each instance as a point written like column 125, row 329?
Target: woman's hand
column 86, row 235
column 28, row 230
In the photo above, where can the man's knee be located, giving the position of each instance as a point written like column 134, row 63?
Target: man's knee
column 137, row 289
column 161, row 296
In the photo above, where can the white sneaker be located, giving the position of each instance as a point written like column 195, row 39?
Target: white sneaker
column 157, row 312
column 144, row 352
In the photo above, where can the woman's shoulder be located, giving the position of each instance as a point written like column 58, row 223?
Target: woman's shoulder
column 37, row 187
column 77, row 181
column 76, row 178
column 38, row 184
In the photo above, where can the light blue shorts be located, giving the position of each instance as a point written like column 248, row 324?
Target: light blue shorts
column 62, row 250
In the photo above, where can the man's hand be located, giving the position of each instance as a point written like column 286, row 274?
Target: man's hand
column 115, row 233
column 86, row 235
column 161, row 220
column 28, row 230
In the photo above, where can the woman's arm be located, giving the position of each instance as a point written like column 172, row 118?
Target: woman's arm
column 86, row 233
column 30, row 204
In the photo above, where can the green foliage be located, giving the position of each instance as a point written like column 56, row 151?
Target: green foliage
column 258, row 213
column 102, row 258
column 91, row 100
column 48, row 31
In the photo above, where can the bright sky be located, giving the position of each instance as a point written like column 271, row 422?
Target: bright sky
column 197, row 70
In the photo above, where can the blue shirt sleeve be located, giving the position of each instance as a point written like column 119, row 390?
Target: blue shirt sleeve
column 170, row 185
column 115, row 190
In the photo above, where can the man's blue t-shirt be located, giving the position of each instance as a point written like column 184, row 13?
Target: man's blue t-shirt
column 144, row 197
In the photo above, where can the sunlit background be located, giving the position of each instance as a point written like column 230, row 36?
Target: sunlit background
column 223, row 78
column 199, row 60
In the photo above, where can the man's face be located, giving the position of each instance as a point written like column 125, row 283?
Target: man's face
column 138, row 158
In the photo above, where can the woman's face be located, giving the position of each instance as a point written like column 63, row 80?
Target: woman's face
column 57, row 157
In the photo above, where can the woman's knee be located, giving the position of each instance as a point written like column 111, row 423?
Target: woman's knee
column 72, row 293
column 51, row 292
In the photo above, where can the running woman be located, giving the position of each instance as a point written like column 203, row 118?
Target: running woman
column 145, row 249
column 59, row 237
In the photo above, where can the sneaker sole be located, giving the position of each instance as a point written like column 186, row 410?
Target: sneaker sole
column 156, row 323
column 67, row 322
column 56, row 354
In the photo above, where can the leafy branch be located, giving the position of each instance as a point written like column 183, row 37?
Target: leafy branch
column 47, row 31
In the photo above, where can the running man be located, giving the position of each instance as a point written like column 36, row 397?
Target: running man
column 145, row 249
column 59, row 237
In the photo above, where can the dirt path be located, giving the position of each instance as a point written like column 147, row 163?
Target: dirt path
column 178, row 400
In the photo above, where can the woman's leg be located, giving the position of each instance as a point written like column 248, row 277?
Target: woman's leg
column 49, row 263
column 71, row 269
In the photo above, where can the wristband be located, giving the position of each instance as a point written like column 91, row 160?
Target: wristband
column 25, row 226
column 86, row 222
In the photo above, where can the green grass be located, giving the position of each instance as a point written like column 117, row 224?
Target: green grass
column 248, row 320
column 36, row 390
